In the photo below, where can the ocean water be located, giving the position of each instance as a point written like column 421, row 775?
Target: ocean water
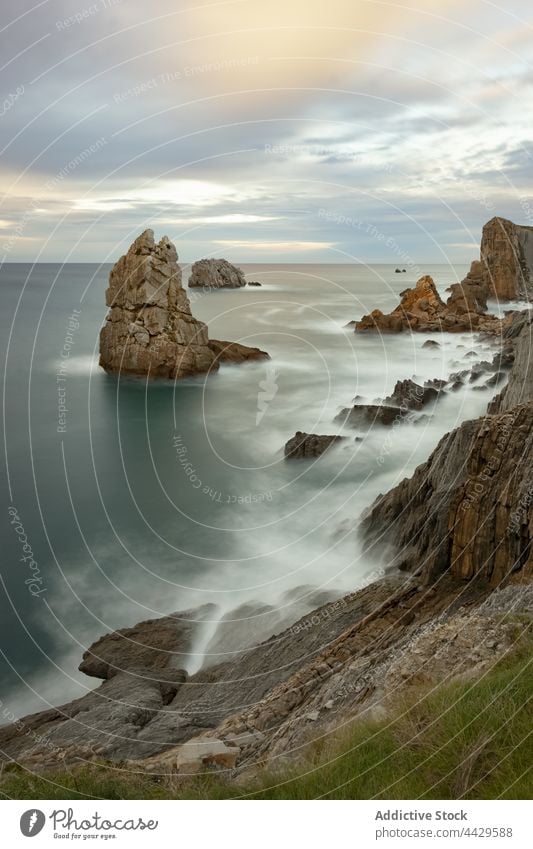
column 140, row 499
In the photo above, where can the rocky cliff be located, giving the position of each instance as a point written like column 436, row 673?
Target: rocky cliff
column 507, row 259
column 149, row 329
column 466, row 511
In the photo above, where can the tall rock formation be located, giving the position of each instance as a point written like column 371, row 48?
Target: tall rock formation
column 216, row 274
column 507, row 259
column 149, row 328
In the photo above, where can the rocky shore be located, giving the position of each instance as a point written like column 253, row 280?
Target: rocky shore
column 504, row 272
column 454, row 541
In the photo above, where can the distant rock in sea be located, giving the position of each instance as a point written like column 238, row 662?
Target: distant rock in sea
column 150, row 329
column 216, row 274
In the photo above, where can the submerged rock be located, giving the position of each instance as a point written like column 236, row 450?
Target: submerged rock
column 216, row 274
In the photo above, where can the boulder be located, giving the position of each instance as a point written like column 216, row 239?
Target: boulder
column 216, row 274
column 504, row 271
column 203, row 753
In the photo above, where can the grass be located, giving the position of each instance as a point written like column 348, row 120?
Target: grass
column 468, row 740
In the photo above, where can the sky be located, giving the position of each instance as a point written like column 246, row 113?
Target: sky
column 262, row 130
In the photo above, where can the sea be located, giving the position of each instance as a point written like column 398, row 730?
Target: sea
column 127, row 500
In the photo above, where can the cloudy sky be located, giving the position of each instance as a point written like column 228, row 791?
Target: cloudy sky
column 263, row 130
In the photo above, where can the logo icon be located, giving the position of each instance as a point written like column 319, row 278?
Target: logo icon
column 268, row 391
column 32, row 822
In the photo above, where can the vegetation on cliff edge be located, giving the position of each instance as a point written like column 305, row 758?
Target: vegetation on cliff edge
column 469, row 740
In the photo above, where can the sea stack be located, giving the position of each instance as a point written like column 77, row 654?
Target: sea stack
column 149, row 328
column 216, row 274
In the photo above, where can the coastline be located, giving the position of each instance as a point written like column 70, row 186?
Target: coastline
column 354, row 646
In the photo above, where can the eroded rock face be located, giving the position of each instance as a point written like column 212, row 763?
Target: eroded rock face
column 149, row 328
column 308, row 445
column 507, row 259
column 216, row 274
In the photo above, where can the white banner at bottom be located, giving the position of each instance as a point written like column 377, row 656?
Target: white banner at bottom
column 268, row 825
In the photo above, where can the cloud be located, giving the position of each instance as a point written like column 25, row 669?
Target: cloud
column 291, row 247
column 376, row 110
